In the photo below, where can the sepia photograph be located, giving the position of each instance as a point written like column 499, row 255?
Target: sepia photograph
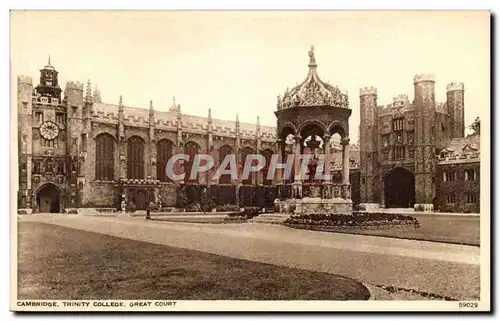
column 250, row 160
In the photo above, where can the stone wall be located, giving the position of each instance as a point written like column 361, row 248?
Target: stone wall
column 459, row 187
column 101, row 194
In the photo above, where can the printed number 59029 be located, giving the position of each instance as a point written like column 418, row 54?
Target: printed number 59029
column 468, row 304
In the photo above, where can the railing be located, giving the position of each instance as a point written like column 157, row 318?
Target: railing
column 324, row 191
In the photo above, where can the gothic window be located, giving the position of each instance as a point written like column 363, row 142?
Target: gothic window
column 105, row 157
column 397, row 124
column 190, row 149
column 472, row 198
column 244, row 153
column 449, row 176
column 135, row 157
column 450, row 198
column 60, row 118
column 223, row 152
column 267, row 155
column 164, row 149
column 470, row 174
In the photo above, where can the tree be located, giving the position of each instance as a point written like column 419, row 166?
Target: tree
column 475, row 126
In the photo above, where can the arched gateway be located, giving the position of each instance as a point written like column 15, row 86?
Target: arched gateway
column 307, row 117
column 48, row 199
column 399, row 188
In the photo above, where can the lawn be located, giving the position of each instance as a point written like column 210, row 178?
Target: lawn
column 437, row 228
column 61, row 263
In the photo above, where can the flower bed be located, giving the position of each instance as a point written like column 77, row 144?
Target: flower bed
column 357, row 220
column 234, row 219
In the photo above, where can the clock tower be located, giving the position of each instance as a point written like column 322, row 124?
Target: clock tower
column 49, row 86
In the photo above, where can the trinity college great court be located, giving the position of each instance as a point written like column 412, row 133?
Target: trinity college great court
column 75, row 151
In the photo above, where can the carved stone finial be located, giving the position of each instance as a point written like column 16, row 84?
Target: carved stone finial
column 312, row 59
column 49, row 59
column 97, row 95
column 120, row 104
column 150, row 105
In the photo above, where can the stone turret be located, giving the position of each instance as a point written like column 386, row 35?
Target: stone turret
column 455, row 108
column 368, row 132
column 425, row 142
column 25, row 139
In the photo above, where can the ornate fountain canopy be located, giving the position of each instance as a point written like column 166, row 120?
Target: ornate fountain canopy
column 313, row 91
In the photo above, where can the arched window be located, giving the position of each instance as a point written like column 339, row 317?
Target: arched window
column 135, row 157
column 164, row 149
column 244, row 153
column 223, row 151
column 190, row 149
column 267, row 153
column 104, row 157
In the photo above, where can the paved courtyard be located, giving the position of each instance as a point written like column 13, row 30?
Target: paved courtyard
column 437, row 268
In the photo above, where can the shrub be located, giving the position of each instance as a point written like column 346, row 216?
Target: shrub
column 208, row 206
column 358, row 219
column 234, row 219
column 193, row 207
column 251, row 211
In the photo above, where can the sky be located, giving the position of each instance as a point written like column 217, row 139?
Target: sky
column 238, row 62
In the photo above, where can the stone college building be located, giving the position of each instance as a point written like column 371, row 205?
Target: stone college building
column 75, row 151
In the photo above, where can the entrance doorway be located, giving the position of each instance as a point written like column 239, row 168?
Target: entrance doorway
column 399, row 188
column 48, row 199
column 141, row 200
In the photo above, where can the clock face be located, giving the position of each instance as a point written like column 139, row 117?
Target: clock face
column 49, row 130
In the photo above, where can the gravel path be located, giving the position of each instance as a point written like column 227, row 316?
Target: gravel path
column 444, row 269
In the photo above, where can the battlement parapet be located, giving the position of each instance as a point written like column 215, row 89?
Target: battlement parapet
column 400, row 100
column 164, row 123
column 384, row 109
column 54, row 101
column 140, row 120
column 24, row 80
column 424, row 78
column 195, row 126
column 402, row 97
column 457, row 158
column 455, row 86
column 101, row 114
column 367, row 91
column 74, row 85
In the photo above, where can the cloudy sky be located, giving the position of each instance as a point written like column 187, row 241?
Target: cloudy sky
column 240, row 61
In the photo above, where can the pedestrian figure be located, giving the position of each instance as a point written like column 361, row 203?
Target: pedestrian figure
column 148, row 212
